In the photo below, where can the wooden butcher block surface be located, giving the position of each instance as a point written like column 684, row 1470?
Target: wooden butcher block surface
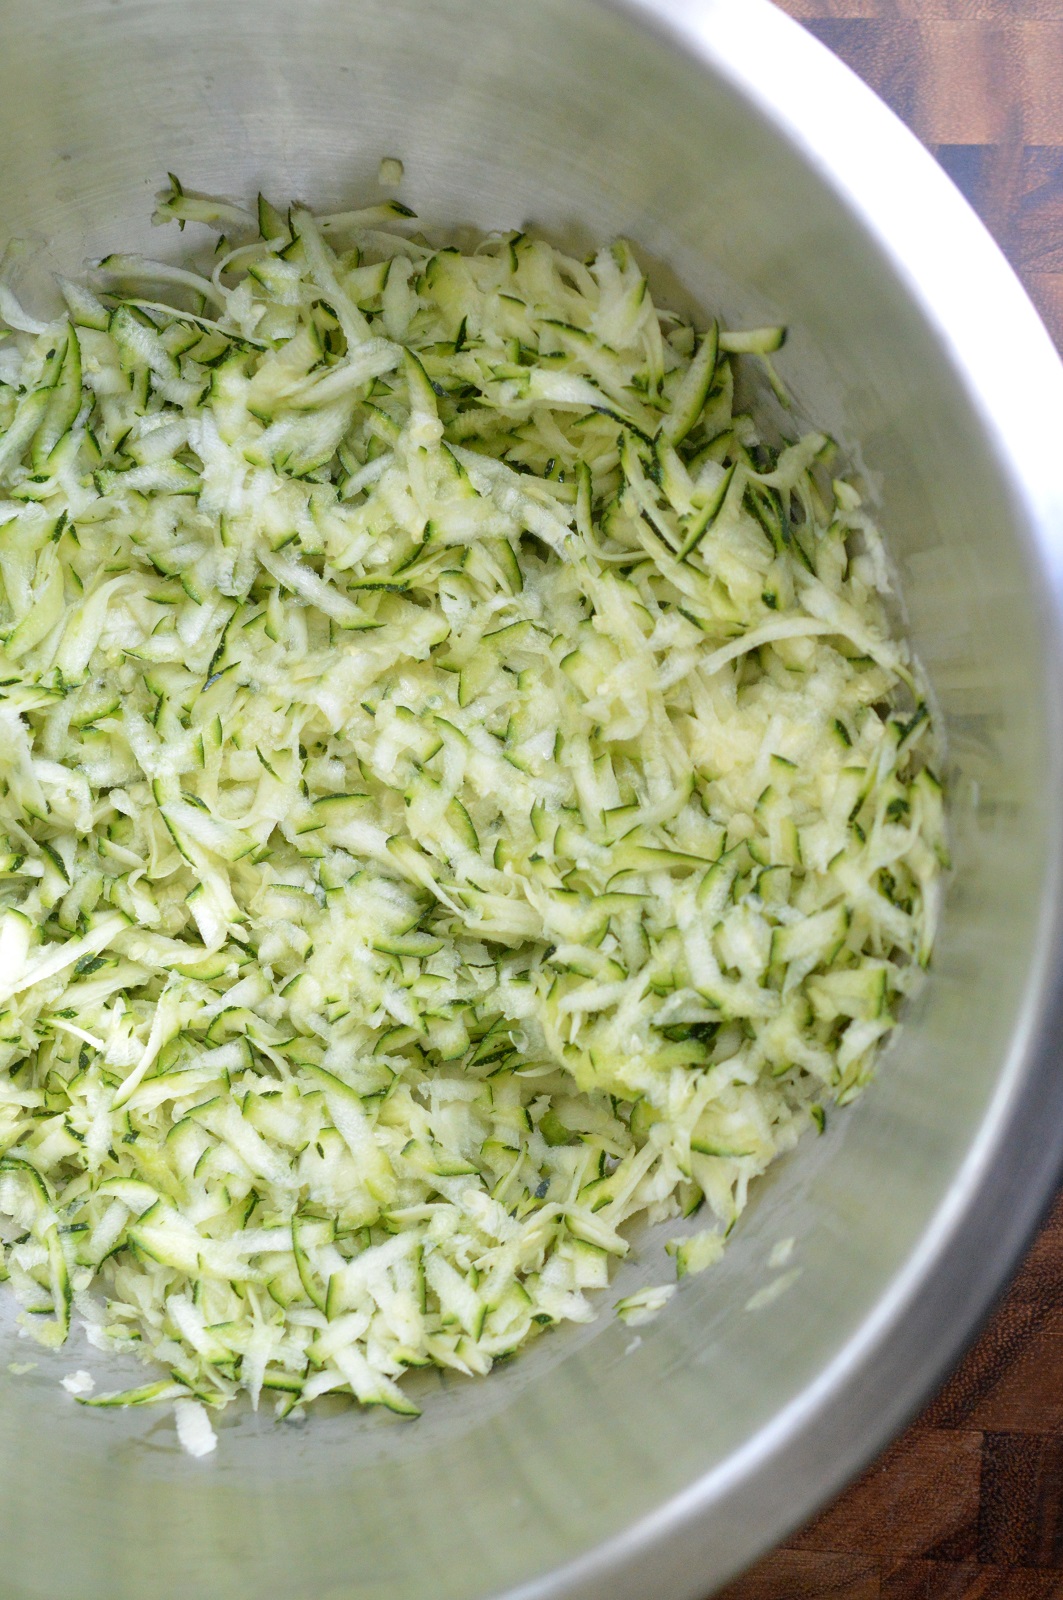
column 968, row 1504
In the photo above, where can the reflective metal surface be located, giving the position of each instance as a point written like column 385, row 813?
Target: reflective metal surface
column 757, row 171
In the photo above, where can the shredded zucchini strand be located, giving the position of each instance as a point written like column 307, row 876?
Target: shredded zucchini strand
column 460, row 794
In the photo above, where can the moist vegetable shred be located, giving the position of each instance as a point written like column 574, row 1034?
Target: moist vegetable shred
column 460, row 795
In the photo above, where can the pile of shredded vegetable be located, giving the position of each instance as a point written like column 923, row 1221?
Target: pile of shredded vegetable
column 459, row 794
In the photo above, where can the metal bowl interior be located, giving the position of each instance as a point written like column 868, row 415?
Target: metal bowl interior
column 769, row 184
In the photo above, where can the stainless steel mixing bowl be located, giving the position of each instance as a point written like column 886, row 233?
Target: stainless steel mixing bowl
column 771, row 184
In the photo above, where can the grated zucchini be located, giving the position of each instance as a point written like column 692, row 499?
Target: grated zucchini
column 461, row 795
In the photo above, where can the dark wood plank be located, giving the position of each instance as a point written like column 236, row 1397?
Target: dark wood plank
column 1041, row 50
column 809, row 1575
column 920, row 1499
column 952, row 82
column 942, row 1580
column 1046, row 290
column 887, row 53
column 923, row 10
column 1039, row 223
column 1020, row 1511
column 1028, row 1394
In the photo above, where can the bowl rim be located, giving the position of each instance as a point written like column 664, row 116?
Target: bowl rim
column 928, row 1315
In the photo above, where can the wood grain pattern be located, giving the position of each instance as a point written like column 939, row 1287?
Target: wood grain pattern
column 968, row 1504
column 926, row 10
column 981, row 83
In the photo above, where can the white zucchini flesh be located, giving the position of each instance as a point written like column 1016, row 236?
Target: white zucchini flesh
column 459, row 795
